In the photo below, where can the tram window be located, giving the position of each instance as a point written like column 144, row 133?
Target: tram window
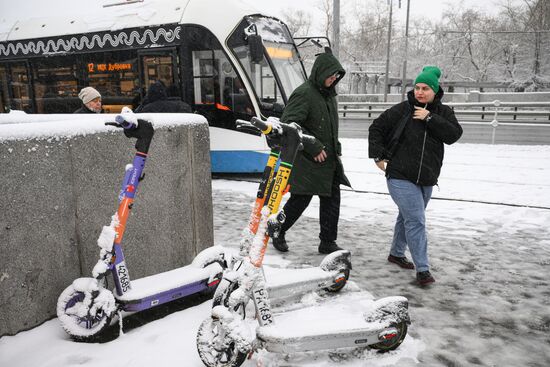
column 205, row 77
column 4, row 106
column 115, row 75
column 261, row 76
column 215, row 81
column 158, row 68
column 20, row 88
column 210, row 82
column 55, row 85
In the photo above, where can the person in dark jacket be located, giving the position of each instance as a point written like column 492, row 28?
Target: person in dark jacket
column 317, row 168
column 157, row 100
column 91, row 101
column 406, row 141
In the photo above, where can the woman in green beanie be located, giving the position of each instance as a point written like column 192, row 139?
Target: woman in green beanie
column 406, row 142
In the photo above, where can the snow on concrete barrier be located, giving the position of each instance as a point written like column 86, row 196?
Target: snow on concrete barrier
column 59, row 183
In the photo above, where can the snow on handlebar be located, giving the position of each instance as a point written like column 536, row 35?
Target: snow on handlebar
column 126, row 120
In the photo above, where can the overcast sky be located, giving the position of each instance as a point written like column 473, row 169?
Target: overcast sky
column 419, row 8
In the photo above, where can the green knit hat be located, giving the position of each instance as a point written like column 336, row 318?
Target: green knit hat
column 430, row 76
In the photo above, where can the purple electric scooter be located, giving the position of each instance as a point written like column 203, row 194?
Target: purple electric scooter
column 86, row 307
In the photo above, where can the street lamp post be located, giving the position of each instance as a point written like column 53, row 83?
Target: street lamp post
column 387, row 77
column 336, row 28
column 404, row 79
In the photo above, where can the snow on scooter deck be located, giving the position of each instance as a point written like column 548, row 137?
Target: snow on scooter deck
column 204, row 267
column 338, row 323
column 302, row 281
column 163, row 282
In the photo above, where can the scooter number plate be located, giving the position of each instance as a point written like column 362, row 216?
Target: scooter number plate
column 262, row 306
column 124, row 278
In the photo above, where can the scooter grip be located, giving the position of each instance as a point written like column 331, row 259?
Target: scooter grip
column 262, row 125
column 308, row 139
column 126, row 121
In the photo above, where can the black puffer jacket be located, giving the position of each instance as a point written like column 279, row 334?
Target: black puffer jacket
column 419, row 153
column 157, row 100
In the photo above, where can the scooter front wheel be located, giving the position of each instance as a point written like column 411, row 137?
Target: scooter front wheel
column 214, row 349
column 85, row 309
column 394, row 342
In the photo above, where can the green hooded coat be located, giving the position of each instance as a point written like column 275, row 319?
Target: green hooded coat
column 314, row 107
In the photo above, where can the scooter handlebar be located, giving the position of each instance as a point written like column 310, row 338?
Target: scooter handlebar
column 273, row 128
column 262, row 125
column 127, row 121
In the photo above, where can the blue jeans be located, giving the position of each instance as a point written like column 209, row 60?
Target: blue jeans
column 410, row 226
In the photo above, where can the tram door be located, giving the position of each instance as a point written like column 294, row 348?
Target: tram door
column 159, row 65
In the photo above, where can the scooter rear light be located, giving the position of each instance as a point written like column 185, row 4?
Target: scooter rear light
column 339, row 279
column 214, row 282
column 388, row 334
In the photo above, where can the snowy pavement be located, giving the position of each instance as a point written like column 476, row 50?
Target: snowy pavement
column 490, row 255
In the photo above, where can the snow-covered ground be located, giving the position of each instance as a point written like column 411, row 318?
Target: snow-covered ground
column 489, row 243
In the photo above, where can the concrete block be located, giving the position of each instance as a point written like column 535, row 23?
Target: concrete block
column 58, row 192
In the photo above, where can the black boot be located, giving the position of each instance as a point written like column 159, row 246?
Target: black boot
column 424, row 278
column 327, row 247
column 280, row 243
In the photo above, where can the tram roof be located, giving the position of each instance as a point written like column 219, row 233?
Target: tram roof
column 64, row 17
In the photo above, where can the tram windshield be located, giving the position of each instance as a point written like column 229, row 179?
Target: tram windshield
column 278, row 70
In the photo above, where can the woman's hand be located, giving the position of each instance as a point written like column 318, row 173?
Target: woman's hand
column 381, row 164
column 420, row 113
column 319, row 158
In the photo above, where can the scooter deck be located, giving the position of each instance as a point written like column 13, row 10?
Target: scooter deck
column 164, row 282
column 330, row 326
column 287, row 283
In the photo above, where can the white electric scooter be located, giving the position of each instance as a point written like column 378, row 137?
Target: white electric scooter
column 287, row 284
column 227, row 337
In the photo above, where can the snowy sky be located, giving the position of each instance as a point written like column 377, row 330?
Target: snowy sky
column 418, row 8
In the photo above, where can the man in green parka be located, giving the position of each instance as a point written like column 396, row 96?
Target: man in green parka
column 317, row 169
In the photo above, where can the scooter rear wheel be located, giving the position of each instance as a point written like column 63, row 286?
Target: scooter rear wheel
column 84, row 318
column 395, row 342
column 213, row 350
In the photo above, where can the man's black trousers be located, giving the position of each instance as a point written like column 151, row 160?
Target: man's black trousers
column 329, row 211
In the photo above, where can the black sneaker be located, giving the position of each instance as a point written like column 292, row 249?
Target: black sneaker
column 424, row 278
column 328, row 247
column 401, row 261
column 280, row 243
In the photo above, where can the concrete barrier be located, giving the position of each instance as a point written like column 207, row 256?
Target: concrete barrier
column 59, row 184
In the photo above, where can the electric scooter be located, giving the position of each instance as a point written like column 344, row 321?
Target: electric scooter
column 228, row 336
column 283, row 284
column 86, row 307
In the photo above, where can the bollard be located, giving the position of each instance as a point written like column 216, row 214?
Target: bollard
column 494, row 123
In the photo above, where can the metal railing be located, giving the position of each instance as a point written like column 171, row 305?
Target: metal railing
column 494, row 113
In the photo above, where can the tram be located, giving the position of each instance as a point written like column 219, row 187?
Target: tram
column 222, row 57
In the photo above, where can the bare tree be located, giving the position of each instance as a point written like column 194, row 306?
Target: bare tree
column 326, row 7
column 298, row 22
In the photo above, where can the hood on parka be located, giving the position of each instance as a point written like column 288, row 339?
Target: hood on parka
column 325, row 65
